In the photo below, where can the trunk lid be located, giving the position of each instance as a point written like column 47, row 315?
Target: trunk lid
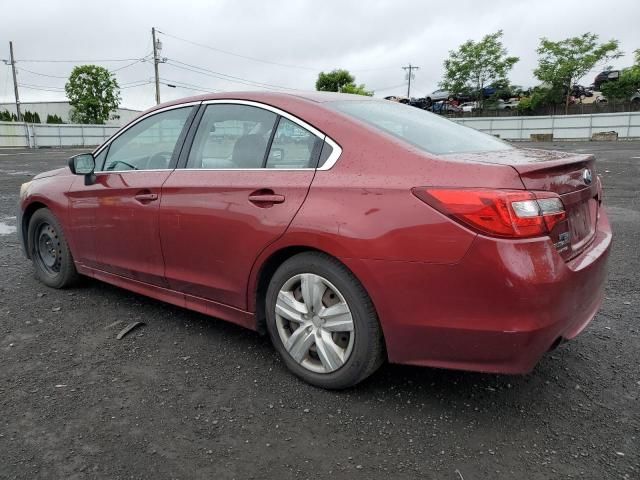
column 571, row 176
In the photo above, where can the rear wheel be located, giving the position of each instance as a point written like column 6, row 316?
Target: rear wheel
column 322, row 322
column 49, row 251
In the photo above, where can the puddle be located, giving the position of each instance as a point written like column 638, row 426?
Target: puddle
column 16, row 172
column 6, row 229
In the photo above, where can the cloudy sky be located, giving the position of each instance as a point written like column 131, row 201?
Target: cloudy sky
column 256, row 44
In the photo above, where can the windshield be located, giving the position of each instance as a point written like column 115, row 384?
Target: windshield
column 425, row 130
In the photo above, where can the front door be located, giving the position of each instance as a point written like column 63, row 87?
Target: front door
column 118, row 214
column 247, row 173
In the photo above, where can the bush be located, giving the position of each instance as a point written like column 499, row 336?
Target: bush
column 31, row 117
column 54, row 119
column 5, row 116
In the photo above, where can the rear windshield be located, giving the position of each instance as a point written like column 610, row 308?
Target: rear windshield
column 425, row 130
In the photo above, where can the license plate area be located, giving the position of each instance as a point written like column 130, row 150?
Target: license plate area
column 582, row 223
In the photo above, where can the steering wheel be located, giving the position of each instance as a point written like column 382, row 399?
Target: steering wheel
column 112, row 166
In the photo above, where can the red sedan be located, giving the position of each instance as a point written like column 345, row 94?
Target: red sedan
column 352, row 230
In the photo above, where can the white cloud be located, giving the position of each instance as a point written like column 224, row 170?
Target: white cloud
column 373, row 39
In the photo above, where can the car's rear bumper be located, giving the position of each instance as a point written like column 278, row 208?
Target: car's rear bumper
column 498, row 310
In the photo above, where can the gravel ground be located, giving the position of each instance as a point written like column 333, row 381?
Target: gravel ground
column 187, row 396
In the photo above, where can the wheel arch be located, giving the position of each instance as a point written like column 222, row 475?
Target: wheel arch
column 268, row 266
column 27, row 214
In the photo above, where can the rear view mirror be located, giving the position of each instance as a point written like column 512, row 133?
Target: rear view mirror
column 82, row 164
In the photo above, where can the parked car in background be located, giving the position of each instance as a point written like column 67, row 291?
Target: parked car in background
column 635, row 98
column 580, row 91
column 444, row 107
column 605, row 76
column 388, row 234
column 438, row 95
column 469, row 106
column 500, row 104
column 397, row 98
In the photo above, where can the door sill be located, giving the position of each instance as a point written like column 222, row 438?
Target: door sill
column 190, row 302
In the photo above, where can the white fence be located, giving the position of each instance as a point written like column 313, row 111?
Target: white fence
column 567, row 127
column 34, row 135
column 564, row 127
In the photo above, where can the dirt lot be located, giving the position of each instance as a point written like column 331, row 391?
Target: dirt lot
column 190, row 397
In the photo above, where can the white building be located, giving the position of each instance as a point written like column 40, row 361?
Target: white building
column 121, row 116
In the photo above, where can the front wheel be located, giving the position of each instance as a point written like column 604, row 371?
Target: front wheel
column 322, row 322
column 49, row 251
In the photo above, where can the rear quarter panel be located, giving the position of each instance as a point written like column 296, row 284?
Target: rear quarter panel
column 363, row 207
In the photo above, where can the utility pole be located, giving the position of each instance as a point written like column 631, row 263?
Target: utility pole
column 157, row 46
column 15, row 82
column 410, row 74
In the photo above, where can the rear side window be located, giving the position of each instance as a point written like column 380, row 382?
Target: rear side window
column 327, row 150
column 425, row 130
column 232, row 136
column 293, row 147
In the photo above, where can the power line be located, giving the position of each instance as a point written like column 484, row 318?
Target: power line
column 140, row 60
column 107, row 60
column 41, row 87
column 188, row 86
column 246, row 57
column 226, row 77
column 262, row 60
column 20, row 69
column 135, row 83
column 140, row 84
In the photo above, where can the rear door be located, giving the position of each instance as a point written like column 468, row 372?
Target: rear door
column 244, row 178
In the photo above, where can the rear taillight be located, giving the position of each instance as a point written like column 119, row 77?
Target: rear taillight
column 498, row 213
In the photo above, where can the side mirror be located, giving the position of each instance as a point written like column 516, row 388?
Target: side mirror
column 83, row 164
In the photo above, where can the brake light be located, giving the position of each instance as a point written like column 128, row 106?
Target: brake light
column 498, row 213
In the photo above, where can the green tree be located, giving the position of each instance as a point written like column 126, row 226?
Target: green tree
column 340, row 81
column 562, row 63
column 540, row 96
column 31, row 117
column 627, row 84
column 93, row 93
column 54, row 119
column 5, row 116
column 475, row 65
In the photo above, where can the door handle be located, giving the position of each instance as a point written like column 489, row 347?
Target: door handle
column 146, row 197
column 265, row 198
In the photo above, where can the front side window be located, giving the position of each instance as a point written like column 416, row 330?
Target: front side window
column 149, row 144
column 232, row 136
column 293, row 147
column 425, row 130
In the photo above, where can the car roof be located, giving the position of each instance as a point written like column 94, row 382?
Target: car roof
column 270, row 97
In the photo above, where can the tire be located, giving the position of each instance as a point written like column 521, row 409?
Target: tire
column 49, row 251
column 360, row 351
